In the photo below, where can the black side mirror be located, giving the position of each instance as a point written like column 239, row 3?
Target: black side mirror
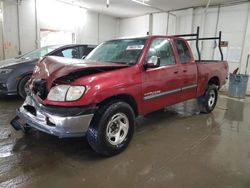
column 152, row 62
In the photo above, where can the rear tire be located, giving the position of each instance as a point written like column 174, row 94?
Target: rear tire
column 22, row 87
column 209, row 99
column 112, row 128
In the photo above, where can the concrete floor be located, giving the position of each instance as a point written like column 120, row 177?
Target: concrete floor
column 171, row 148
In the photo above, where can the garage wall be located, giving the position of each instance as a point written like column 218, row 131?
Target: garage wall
column 233, row 21
column 233, row 31
column 164, row 23
column 108, row 27
column 137, row 26
column 89, row 27
column 27, row 26
column 160, row 23
column 10, row 29
column 1, row 32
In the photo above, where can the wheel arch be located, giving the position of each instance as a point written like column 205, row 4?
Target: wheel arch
column 214, row 80
column 20, row 79
column 122, row 97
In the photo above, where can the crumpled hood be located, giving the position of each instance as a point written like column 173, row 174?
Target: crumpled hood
column 52, row 67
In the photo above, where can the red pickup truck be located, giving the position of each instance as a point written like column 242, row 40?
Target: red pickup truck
column 101, row 96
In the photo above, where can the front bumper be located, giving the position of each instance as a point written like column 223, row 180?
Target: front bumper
column 61, row 122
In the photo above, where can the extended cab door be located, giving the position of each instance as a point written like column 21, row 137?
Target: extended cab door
column 188, row 70
column 161, row 85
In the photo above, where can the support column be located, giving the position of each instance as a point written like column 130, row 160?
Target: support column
column 36, row 25
column 98, row 29
column 18, row 28
column 245, row 45
column 2, row 29
column 150, row 25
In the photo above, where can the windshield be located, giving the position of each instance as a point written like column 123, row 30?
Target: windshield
column 38, row 53
column 125, row 51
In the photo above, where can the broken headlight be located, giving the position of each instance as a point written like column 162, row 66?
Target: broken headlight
column 66, row 93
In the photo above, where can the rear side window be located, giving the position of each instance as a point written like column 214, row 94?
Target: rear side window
column 162, row 49
column 183, row 51
column 69, row 53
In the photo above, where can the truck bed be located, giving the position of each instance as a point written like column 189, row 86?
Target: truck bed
column 208, row 69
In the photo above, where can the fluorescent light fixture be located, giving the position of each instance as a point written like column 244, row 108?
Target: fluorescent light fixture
column 74, row 3
column 141, row 2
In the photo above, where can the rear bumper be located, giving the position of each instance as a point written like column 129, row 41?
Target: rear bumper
column 63, row 124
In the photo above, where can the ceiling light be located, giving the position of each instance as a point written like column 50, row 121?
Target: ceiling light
column 141, row 2
column 74, row 3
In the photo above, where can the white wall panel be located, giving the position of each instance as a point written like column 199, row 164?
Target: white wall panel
column 160, row 21
column 108, row 27
column 88, row 29
column 184, row 21
column 1, row 33
column 138, row 26
column 10, row 29
column 54, row 15
column 246, row 50
column 27, row 26
column 171, row 30
column 232, row 23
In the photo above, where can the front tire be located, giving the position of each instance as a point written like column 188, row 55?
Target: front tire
column 209, row 99
column 112, row 128
column 22, row 87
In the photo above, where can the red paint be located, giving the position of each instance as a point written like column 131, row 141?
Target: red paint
column 133, row 80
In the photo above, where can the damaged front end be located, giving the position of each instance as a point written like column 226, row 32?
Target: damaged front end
column 58, row 121
column 53, row 81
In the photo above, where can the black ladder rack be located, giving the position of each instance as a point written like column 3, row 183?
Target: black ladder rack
column 197, row 39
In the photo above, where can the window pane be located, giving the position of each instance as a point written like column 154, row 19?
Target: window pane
column 125, row 51
column 162, row 49
column 69, row 53
column 82, row 51
column 183, row 51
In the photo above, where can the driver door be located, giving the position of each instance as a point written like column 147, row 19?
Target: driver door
column 161, row 86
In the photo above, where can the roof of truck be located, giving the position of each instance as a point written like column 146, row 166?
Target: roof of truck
column 146, row 37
